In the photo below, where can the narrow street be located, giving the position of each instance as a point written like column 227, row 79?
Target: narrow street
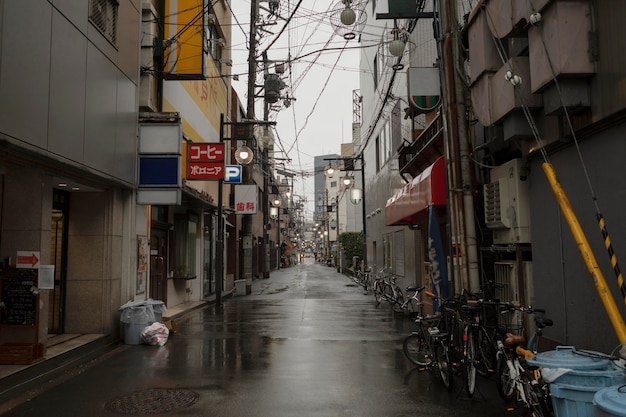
column 306, row 342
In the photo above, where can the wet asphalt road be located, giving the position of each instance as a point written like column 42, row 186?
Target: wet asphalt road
column 306, row 342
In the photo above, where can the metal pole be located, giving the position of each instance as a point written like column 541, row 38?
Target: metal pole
column 278, row 239
column 219, row 243
column 363, row 211
column 246, row 221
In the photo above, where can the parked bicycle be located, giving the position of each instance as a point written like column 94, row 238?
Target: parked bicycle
column 393, row 294
column 514, row 376
column 428, row 347
column 363, row 277
column 478, row 349
column 386, row 289
column 413, row 304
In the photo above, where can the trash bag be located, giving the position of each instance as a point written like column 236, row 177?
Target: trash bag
column 155, row 334
column 137, row 314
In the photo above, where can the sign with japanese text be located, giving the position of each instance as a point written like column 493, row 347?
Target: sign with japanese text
column 205, row 161
column 241, row 131
column 246, row 197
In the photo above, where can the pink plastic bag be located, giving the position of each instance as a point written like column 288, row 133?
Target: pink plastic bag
column 155, row 334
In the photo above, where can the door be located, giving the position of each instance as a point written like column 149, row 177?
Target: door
column 58, row 258
column 158, row 274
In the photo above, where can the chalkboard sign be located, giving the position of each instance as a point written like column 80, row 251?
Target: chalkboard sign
column 18, row 305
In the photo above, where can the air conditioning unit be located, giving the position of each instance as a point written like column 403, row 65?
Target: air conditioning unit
column 507, row 210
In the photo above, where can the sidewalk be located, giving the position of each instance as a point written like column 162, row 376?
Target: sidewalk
column 66, row 351
column 69, row 351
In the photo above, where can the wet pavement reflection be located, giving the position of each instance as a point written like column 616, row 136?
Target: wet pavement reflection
column 305, row 342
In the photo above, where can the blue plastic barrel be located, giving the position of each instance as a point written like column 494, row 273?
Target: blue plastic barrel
column 572, row 393
column 610, row 402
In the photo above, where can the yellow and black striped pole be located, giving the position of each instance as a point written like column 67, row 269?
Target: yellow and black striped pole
column 612, row 256
column 588, row 257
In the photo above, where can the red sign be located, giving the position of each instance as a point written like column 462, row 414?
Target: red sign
column 27, row 259
column 205, row 152
column 205, row 161
column 205, row 170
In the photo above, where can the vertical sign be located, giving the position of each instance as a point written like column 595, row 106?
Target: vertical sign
column 246, row 197
column 438, row 272
column 205, row 161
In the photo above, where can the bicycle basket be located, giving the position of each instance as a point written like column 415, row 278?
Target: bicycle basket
column 510, row 323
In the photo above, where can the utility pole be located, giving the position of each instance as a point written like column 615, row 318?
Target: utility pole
column 461, row 210
column 246, row 223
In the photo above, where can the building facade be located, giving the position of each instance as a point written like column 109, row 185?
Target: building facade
column 521, row 86
column 69, row 90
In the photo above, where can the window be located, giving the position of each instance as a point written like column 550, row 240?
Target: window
column 103, row 14
column 398, row 258
column 185, row 230
column 377, row 153
column 388, row 252
column 375, row 71
column 333, row 184
column 214, row 44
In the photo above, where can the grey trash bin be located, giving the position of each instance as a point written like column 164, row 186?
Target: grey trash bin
column 135, row 318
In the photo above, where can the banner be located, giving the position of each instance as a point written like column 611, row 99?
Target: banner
column 438, row 272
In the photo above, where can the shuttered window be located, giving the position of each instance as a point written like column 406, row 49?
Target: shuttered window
column 103, row 14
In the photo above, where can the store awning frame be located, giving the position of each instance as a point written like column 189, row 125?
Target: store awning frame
column 409, row 206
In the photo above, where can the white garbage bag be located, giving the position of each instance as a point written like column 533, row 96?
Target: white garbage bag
column 155, row 334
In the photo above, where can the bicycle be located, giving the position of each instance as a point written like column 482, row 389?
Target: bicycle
column 428, row 347
column 363, row 277
column 393, row 293
column 379, row 285
column 514, row 375
column 413, row 304
column 478, row 349
column 387, row 289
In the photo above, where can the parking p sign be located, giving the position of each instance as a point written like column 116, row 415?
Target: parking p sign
column 232, row 174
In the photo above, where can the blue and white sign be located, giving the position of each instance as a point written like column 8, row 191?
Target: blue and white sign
column 232, row 174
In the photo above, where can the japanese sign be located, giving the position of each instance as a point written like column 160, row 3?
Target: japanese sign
column 205, row 161
column 246, row 197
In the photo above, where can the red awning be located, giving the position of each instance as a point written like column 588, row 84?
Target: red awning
column 409, row 205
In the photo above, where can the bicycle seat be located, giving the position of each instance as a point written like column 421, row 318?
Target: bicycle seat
column 471, row 308
column 543, row 322
column 414, row 288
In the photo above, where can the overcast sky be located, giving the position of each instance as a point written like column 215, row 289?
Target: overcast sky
column 320, row 117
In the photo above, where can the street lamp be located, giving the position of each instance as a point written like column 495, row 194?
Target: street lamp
column 243, row 155
column 275, row 214
column 357, row 196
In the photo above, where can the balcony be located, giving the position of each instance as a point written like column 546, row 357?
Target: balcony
column 423, row 152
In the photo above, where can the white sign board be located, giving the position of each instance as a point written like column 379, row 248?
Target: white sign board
column 246, row 198
column 46, row 277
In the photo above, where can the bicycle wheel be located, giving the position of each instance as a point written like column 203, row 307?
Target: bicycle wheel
column 398, row 300
column 469, row 368
column 378, row 291
column 455, row 344
column 388, row 293
column 443, row 363
column 416, row 349
column 535, row 406
column 504, row 381
column 485, row 353
column 367, row 281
